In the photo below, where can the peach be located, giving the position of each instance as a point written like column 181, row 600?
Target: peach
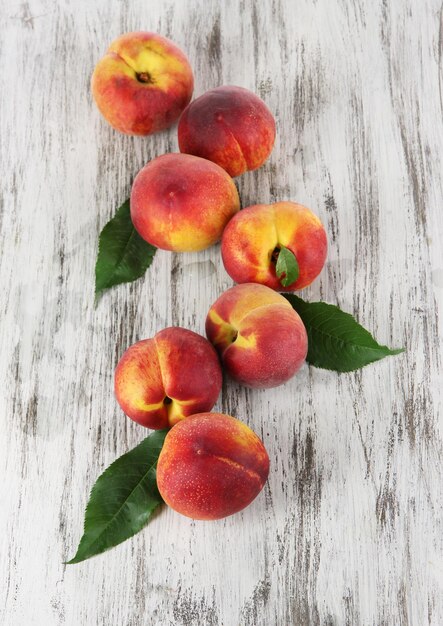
column 252, row 240
column 211, row 466
column 181, row 202
column 162, row 380
column 261, row 340
column 230, row 126
column 142, row 84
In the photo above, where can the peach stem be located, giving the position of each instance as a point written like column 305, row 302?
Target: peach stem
column 144, row 77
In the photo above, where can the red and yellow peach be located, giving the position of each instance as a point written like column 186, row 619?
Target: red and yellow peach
column 230, row 126
column 142, row 84
column 162, row 380
column 252, row 240
column 181, row 202
column 261, row 340
column 211, row 466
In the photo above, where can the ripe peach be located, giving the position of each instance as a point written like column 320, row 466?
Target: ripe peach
column 181, row 202
column 211, row 466
column 261, row 340
column 162, row 380
column 230, row 126
column 142, row 84
column 253, row 238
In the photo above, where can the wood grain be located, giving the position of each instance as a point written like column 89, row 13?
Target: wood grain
column 349, row 528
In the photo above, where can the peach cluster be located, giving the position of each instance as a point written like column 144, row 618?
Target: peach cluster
column 211, row 465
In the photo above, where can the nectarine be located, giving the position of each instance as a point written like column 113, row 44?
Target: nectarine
column 211, row 466
column 162, row 380
column 253, row 239
column 142, row 84
column 230, row 126
column 261, row 340
column 182, row 202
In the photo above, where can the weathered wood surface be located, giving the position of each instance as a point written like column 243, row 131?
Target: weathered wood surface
column 349, row 528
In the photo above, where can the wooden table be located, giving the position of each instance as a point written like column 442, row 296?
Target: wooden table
column 349, row 527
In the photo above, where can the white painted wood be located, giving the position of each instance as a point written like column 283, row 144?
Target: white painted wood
column 349, row 527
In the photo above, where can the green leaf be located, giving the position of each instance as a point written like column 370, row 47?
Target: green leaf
column 122, row 500
column 286, row 268
column 336, row 341
column 123, row 256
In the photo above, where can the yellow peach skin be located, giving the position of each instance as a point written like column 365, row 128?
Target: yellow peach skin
column 142, row 84
column 211, row 466
column 252, row 239
column 180, row 202
column 261, row 340
column 162, row 380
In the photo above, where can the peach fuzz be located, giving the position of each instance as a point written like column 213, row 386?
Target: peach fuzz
column 252, row 239
column 162, row 380
column 142, row 84
column 211, row 466
column 261, row 340
column 181, row 202
column 230, row 126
